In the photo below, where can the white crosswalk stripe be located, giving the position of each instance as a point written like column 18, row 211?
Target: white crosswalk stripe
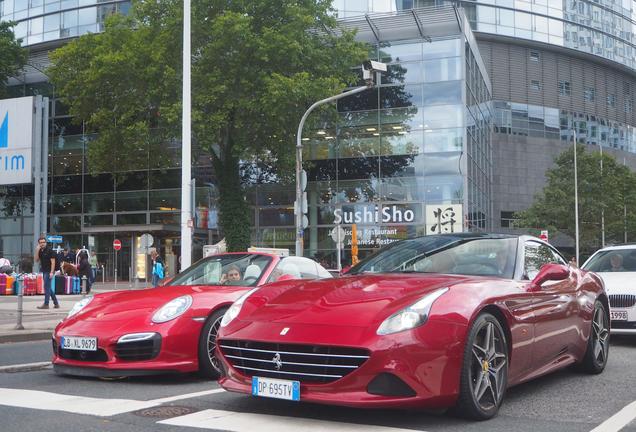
column 101, row 407
column 244, row 422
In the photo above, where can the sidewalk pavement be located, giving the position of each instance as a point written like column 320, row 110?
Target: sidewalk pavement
column 39, row 323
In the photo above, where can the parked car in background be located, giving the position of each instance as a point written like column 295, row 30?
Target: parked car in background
column 616, row 265
column 437, row 321
column 171, row 328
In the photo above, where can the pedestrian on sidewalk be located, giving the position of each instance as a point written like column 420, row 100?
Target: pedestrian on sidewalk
column 157, row 268
column 84, row 270
column 46, row 257
column 94, row 263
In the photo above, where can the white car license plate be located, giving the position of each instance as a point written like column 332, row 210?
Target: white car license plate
column 276, row 388
column 79, row 343
column 618, row 315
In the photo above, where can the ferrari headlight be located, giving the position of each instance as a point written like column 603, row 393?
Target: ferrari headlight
column 411, row 316
column 172, row 309
column 79, row 306
column 234, row 310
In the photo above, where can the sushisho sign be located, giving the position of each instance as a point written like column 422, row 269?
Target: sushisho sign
column 373, row 215
column 16, row 140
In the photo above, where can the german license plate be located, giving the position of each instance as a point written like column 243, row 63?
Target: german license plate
column 276, row 388
column 79, row 343
column 618, row 315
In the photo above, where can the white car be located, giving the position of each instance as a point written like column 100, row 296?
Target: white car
column 616, row 265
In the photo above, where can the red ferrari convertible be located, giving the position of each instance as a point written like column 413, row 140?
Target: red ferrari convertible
column 437, row 321
column 167, row 329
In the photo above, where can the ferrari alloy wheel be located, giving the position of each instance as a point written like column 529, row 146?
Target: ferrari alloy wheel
column 208, row 363
column 484, row 375
column 597, row 351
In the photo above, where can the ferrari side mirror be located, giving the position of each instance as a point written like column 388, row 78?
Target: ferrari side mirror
column 550, row 272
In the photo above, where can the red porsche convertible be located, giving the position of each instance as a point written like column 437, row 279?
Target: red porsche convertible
column 167, row 329
column 437, row 321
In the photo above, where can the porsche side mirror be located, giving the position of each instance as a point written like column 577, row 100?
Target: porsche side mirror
column 550, row 272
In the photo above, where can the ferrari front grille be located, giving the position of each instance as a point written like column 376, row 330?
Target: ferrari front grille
column 622, row 300
column 305, row 363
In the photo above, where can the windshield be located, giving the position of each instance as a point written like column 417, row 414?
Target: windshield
column 618, row 260
column 445, row 254
column 229, row 269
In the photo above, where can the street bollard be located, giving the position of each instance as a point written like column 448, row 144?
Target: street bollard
column 83, row 286
column 20, row 286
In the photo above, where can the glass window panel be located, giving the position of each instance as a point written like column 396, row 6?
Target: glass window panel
column 51, row 6
column 36, row 25
column 443, row 189
column 87, row 16
column 402, row 142
column 276, row 216
column 166, row 179
column 131, row 219
column 166, row 218
column 358, row 118
column 402, row 189
column 359, row 142
column 98, row 183
column 67, row 4
column 400, row 166
column 541, row 24
column 400, row 96
column 357, row 190
column 66, row 203
column 97, row 220
column 131, row 201
column 20, row 30
column 445, row 69
column 400, row 53
column 98, row 202
column 441, row 140
column 443, row 48
column 367, row 100
column 555, row 27
column 506, row 18
column 357, row 168
column 137, row 180
column 66, row 184
column 403, row 73
column 51, row 22
column 67, row 165
column 443, row 93
column 320, row 169
column 442, row 164
column 406, row 118
column 66, row 224
column 69, row 19
column 11, row 226
column 523, row 20
column 165, row 200
column 486, row 14
column 273, row 195
column 443, row 116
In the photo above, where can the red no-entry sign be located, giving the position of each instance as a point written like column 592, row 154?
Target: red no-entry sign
column 116, row 244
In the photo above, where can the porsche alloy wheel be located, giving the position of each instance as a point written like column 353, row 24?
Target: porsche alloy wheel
column 208, row 363
column 484, row 375
column 597, row 351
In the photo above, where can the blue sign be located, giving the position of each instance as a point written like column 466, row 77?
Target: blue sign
column 4, row 132
column 54, row 238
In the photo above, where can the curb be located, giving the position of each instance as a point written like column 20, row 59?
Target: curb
column 26, row 337
column 27, row 367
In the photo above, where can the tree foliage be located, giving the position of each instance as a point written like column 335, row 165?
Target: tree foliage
column 613, row 191
column 256, row 67
column 12, row 55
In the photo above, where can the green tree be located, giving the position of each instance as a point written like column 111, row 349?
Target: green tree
column 256, row 67
column 12, row 55
column 614, row 191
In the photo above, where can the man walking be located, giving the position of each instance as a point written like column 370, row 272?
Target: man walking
column 46, row 257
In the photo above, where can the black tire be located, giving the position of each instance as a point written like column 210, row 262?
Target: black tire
column 597, row 352
column 208, row 364
column 484, row 374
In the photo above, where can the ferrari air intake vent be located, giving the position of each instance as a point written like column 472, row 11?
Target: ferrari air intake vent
column 304, row 363
column 139, row 350
column 622, row 300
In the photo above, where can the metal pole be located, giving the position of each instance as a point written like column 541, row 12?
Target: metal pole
column 115, row 268
column 18, row 325
column 603, row 203
column 576, row 201
column 624, row 211
column 186, row 185
column 339, row 248
column 299, row 161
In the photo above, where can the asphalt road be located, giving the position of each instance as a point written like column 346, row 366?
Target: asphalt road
column 564, row 401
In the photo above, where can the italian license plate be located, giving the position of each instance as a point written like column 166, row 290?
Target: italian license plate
column 618, row 315
column 79, row 343
column 276, row 388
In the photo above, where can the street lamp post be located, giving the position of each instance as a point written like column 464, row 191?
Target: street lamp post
column 186, row 132
column 576, row 201
column 368, row 69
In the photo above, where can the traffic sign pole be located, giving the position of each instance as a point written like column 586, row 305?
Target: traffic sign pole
column 116, row 246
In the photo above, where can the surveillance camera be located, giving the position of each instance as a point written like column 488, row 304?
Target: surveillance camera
column 373, row 66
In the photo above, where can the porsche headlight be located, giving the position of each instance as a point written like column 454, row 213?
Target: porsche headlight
column 411, row 316
column 172, row 309
column 234, row 310
column 79, row 306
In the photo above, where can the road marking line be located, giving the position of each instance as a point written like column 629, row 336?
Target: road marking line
column 619, row 420
column 24, row 366
column 100, row 407
column 241, row 422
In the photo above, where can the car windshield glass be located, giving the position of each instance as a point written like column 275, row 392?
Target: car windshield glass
column 229, row 269
column 618, row 260
column 445, row 254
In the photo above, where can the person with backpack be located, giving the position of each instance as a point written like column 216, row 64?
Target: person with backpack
column 157, row 268
column 85, row 271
